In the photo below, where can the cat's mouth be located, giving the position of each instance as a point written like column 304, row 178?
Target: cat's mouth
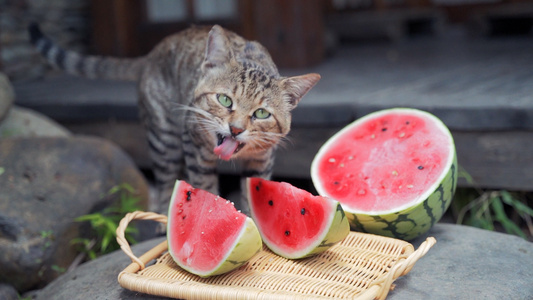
column 227, row 146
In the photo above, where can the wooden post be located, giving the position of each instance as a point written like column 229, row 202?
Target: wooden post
column 291, row 30
column 114, row 27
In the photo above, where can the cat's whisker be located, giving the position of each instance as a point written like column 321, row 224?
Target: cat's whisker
column 256, row 144
column 265, row 140
column 174, row 107
column 194, row 109
column 272, row 137
column 282, row 142
column 233, row 164
column 207, row 125
column 204, row 119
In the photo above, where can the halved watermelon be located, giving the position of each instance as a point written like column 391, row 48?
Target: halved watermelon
column 292, row 222
column 206, row 234
column 394, row 171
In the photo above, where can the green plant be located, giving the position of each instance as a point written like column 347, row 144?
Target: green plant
column 493, row 209
column 58, row 269
column 48, row 236
column 104, row 224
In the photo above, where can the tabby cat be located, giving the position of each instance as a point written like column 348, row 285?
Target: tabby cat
column 204, row 94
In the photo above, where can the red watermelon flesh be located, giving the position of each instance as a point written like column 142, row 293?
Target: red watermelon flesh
column 280, row 214
column 202, row 228
column 294, row 223
column 384, row 162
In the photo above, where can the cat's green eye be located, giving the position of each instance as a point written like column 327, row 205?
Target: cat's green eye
column 224, row 100
column 261, row 114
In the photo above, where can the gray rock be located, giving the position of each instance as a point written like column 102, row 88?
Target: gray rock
column 46, row 183
column 23, row 122
column 7, row 95
column 469, row 263
column 97, row 279
column 8, row 292
column 466, row 263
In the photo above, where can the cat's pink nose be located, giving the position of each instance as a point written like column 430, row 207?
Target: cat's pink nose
column 235, row 130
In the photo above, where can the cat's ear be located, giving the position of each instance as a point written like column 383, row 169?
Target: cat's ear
column 296, row 87
column 216, row 49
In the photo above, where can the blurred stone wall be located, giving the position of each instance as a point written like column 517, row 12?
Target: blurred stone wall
column 65, row 21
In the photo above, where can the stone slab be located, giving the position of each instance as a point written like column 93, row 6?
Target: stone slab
column 469, row 263
column 466, row 263
column 478, row 84
column 66, row 98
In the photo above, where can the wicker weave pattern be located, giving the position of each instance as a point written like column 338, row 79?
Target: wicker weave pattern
column 362, row 266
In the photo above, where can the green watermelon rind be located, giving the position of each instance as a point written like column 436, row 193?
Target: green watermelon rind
column 413, row 219
column 338, row 228
column 247, row 244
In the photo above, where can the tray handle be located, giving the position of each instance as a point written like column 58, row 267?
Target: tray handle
column 121, row 239
column 402, row 268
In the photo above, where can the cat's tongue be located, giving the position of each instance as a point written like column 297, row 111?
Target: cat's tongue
column 226, row 149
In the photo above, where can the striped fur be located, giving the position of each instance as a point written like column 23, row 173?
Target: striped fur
column 180, row 84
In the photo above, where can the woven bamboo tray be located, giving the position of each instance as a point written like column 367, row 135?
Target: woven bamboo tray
column 362, row 266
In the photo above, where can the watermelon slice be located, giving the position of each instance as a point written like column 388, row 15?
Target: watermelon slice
column 206, row 234
column 394, row 171
column 293, row 223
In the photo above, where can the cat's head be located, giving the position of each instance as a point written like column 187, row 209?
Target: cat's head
column 248, row 105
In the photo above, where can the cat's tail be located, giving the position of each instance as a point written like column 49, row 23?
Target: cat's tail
column 86, row 65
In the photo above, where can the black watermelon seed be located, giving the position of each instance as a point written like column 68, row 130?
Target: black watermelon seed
column 302, row 211
column 287, row 233
column 257, row 188
column 407, row 123
column 183, row 218
column 336, row 182
column 384, row 129
column 421, row 167
column 270, row 202
column 189, row 195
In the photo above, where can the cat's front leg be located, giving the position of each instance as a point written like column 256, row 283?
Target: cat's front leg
column 200, row 165
column 260, row 166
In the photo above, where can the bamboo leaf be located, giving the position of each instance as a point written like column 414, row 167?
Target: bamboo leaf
column 462, row 173
column 111, row 226
column 105, row 223
column 480, row 223
column 115, row 189
column 88, row 217
column 516, row 203
column 501, row 216
column 128, row 187
column 131, row 230
column 106, row 239
column 83, row 241
column 92, row 254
